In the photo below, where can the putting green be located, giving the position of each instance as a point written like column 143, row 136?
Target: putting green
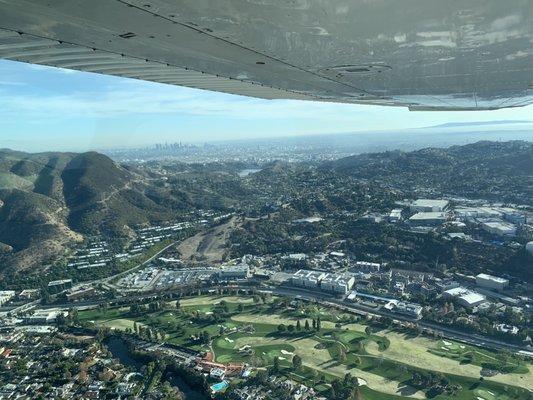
column 120, row 324
column 413, row 351
column 320, row 359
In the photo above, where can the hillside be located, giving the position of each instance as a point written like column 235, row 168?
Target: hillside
column 50, row 200
column 490, row 170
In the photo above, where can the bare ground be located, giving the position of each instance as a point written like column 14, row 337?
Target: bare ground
column 207, row 246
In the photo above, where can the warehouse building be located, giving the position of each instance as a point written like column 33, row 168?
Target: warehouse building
column 471, row 299
column 491, row 282
column 433, row 218
column 428, row 205
column 464, row 297
column 499, row 228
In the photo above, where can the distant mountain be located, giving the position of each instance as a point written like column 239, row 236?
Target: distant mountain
column 479, row 123
column 490, row 170
column 49, row 200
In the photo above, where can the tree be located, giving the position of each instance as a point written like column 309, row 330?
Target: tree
column 290, row 328
column 368, row 330
column 306, row 326
column 178, row 305
column 240, row 307
column 298, row 326
column 281, row 328
column 297, row 362
column 275, row 365
column 318, row 324
column 342, row 356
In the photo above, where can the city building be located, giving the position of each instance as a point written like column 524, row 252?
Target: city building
column 499, row 228
column 430, row 218
column 307, row 278
column 43, row 317
column 428, row 205
column 409, row 309
column 491, row 282
column 471, row 299
column 337, row 283
column 465, row 297
column 234, row 272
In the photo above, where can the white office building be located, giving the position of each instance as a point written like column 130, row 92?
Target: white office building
column 409, row 309
column 499, row 228
column 428, row 205
column 491, row 282
column 234, row 272
column 432, row 218
column 337, row 283
column 307, row 278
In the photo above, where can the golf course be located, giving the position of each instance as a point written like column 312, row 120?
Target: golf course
column 389, row 362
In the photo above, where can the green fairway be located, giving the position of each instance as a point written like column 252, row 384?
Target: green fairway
column 243, row 330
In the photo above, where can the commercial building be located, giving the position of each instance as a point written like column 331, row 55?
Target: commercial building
column 433, row 218
column 491, row 282
column 234, row 272
column 307, row 278
column 428, row 205
column 43, row 317
column 464, row 297
column 499, row 228
column 408, row 309
column 471, row 299
column 337, row 283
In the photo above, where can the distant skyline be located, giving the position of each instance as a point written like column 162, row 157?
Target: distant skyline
column 45, row 108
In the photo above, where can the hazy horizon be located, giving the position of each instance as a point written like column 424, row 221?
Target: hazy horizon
column 46, row 109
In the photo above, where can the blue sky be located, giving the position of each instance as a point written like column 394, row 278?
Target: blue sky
column 43, row 108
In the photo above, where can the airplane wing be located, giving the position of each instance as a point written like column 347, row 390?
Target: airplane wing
column 422, row 54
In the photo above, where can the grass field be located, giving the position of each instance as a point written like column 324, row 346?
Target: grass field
column 384, row 361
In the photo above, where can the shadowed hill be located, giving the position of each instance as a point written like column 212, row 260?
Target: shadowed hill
column 49, row 200
column 491, row 170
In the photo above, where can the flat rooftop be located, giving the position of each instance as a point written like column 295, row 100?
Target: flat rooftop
column 492, row 278
column 428, row 216
column 430, row 203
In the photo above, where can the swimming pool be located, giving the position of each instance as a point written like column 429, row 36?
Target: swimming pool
column 217, row 387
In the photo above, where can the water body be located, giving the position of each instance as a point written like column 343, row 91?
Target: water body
column 120, row 350
column 246, row 172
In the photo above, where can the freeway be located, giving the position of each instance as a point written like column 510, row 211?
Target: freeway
column 445, row 332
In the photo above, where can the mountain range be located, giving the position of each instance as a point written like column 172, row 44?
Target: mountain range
column 48, row 201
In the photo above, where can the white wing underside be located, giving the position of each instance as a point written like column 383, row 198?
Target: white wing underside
column 423, row 54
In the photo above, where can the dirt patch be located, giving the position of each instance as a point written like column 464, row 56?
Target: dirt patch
column 207, row 246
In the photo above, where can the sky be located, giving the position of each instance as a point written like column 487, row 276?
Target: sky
column 45, row 108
